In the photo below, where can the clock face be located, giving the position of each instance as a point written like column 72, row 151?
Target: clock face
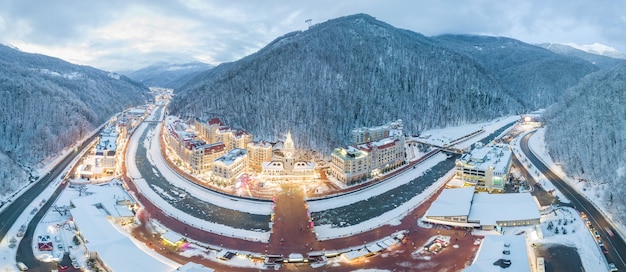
column 288, row 154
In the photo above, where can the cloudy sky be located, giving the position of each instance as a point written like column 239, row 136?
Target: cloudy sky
column 121, row 35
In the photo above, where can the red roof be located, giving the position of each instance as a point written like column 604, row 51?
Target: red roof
column 216, row 121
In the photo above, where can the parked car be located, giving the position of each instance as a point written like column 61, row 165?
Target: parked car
column 603, row 248
column 612, row 267
column 21, row 266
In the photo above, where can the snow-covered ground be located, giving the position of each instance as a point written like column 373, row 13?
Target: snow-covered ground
column 576, row 235
column 57, row 225
column 7, row 254
column 446, row 136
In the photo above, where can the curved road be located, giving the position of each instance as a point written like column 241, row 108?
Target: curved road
column 614, row 244
column 20, row 204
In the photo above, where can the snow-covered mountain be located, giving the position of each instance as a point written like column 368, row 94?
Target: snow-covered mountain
column 533, row 75
column 49, row 105
column 600, row 61
column 357, row 71
column 586, row 132
column 168, row 75
column 345, row 73
column 599, row 49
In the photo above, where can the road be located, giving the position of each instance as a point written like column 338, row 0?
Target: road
column 615, row 244
column 12, row 212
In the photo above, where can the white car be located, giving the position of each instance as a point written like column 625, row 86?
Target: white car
column 612, row 267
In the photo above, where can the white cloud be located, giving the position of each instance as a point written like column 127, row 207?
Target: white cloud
column 119, row 35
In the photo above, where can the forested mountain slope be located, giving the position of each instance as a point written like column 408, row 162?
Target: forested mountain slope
column 586, row 131
column 345, row 73
column 603, row 62
column 533, row 75
column 168, row 75
column 49, row 104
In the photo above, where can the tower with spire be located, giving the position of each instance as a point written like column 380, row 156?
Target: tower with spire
column 289, row 150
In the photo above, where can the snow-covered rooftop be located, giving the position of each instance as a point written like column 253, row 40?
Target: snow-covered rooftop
column 489, row 208
column 232, row 156
column 484, row 208
column 493, row 248
column 452, row 202
column 482, row 158
column 114, row 246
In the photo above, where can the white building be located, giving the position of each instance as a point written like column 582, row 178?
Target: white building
column 288, row 166
column 486, row 167
column 227, row 168
column 464, row 208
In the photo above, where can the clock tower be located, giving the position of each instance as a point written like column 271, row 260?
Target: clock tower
column 288, row 150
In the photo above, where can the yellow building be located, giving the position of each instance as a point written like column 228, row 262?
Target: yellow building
column 193, row 153
column 350, row 165
column 214, row 131
column 258, row 153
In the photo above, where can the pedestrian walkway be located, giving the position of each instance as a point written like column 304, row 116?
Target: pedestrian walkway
column 291, row 232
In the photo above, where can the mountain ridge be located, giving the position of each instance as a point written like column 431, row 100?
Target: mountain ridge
column 168, row 75
column 355, row 71
column 53, row 105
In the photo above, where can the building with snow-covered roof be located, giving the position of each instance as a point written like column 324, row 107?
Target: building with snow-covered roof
column 486, row 167
column 105, row 156
column 501, row 253
column 452, row 205
column 214, row 130
column 104, row 159
column 229, row 166
column 372, row 134
column 385, row 154
column 194, row 153
column 97, row 217
column 376, row 150
column 464, row 208
column 288, row 165
column 350, row 165
column 502, row 210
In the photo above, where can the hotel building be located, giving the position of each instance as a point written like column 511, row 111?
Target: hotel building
column 228, row 167
column 486, row 167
